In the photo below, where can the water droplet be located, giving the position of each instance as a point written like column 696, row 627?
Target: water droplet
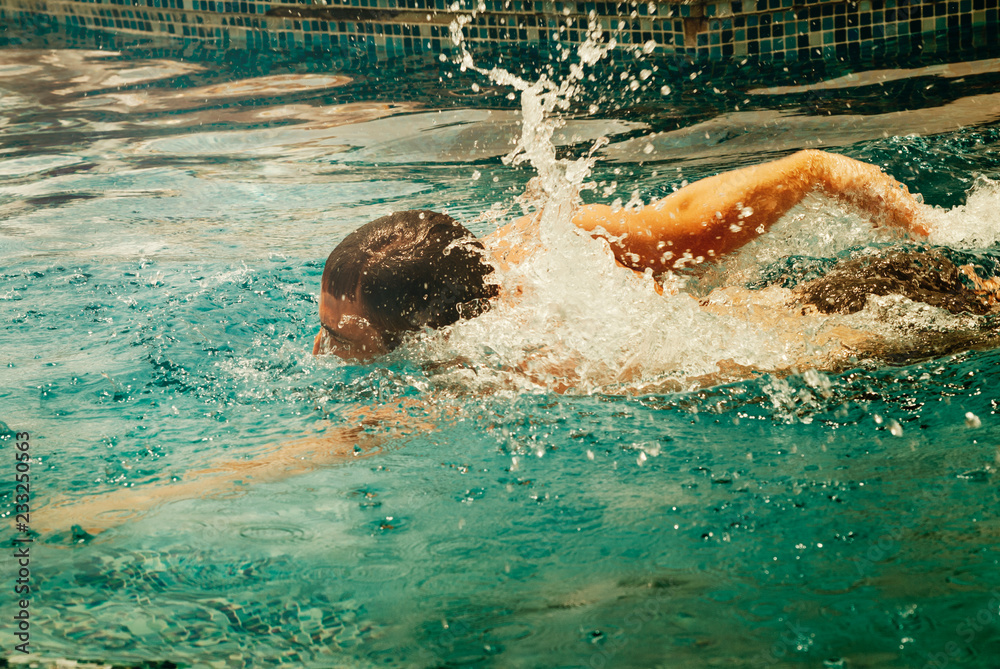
column 972, row 420
column 975, row 475
column 895, row 428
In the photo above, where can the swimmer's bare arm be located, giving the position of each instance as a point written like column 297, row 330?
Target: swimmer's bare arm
column 96, row 513
column 719, row 214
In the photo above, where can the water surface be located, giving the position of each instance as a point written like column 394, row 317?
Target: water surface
column 164, row 222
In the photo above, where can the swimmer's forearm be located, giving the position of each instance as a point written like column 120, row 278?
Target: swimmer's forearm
column 714, row 216
column 705, row 219
column 336, row 445
column 96, row 513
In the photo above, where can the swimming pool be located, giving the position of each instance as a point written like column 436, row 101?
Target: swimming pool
column 165, row 219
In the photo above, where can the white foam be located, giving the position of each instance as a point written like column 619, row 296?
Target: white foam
column 974, row 225
column 572, row 320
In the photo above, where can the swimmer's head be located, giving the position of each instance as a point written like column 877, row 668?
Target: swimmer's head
column 397, row 274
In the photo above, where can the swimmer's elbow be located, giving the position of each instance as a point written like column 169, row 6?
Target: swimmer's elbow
column 920, row 220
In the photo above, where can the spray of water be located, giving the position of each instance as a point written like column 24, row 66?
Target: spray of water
column 974, row 225
column 574, row 321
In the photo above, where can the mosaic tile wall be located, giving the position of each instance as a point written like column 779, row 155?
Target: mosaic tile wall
column 381, row 29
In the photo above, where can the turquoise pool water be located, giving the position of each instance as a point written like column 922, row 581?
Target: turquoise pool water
column 165, row 220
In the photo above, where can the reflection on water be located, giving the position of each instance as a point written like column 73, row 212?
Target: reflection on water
column 433, row 137
column 735, row 135
column 879, row 77
column 70, row 72
column 165, row 224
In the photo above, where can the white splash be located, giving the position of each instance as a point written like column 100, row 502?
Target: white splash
column 973, row 225
column 573, row 321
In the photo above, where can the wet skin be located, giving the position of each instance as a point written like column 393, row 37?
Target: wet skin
column 697, row 223
column 346, row 331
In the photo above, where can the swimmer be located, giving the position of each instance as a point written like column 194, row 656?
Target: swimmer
column 417, row 269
